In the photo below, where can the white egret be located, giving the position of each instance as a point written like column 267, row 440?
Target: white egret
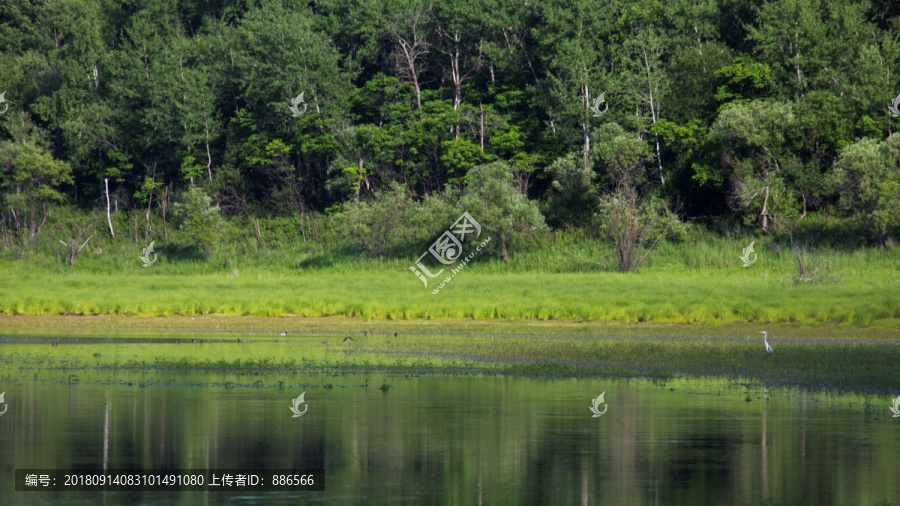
column 765, row 340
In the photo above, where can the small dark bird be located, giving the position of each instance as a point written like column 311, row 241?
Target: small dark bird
column 366, row 333
column 348, row 338
column 324, row 342
column 395, row 334
column 54, row 343
column 276, row 340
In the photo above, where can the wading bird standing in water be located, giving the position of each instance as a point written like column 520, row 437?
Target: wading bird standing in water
column 765, row 340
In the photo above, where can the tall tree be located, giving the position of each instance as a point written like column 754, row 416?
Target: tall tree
column 30, row 181
column 578, row 63
column 754, row 138
column 868, row 183
column 408, row 31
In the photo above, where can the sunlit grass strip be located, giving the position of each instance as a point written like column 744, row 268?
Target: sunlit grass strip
column 735, row 295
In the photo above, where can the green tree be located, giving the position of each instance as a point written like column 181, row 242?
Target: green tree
column 628, row 214
column 634, row 225
column 810, row 44
column 622, row 155
column 694, row 70
column 200, row 220
column 742, row 81
column 754, row 138
column 31, row 181
column 645, row 84
column 461, row 25
column 868, row 181
column 494, row 201
column 578, row 62
column 573, row 196
column 380, row 222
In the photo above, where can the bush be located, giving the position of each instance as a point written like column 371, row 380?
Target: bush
column 633, row 226
column 381, row 223
column 493, row 199
column 199, row 219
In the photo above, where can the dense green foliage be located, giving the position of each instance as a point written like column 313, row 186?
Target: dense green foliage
column 761, row 111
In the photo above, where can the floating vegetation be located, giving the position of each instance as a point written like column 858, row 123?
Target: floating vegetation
column 836, row 363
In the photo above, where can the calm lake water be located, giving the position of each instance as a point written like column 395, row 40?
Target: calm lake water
column 465, row 440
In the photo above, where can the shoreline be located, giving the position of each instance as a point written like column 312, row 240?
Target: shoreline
column 884, row 329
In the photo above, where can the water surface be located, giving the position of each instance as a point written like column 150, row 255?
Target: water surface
column 463, row 440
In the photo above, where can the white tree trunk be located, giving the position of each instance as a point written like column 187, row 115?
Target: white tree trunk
column 584, row 127
column 108, row 216
column 481, row 124
column 653, row 108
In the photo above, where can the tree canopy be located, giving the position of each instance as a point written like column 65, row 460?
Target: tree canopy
column 768, row 110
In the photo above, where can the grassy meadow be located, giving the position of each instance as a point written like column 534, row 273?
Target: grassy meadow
column 559, row 276
column 731, row 295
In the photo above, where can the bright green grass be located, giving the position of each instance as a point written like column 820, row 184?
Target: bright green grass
column 862, row 293
column 555, row 276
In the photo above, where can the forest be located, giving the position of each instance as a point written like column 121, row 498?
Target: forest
column 457, row 231
column 381, row 120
